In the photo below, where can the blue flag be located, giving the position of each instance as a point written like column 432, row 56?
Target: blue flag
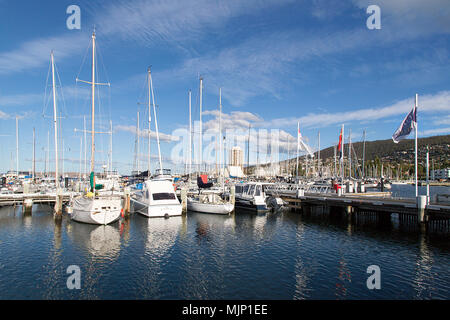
column 406, row 127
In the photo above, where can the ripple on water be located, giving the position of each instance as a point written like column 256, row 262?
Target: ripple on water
column 242, row 256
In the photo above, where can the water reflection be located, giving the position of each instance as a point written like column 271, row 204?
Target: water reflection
column 160, row 237
column 101, row 242
column 301, row 274
column 209, row 227
column 423, row 279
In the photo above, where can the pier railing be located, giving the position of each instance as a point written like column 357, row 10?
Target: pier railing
column 292, row 189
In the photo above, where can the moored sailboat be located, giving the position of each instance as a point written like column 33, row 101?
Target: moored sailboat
column 95, row 207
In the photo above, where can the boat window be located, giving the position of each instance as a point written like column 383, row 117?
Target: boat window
column 238, row 189
column 246, row 188
column 251, row 190
column 164, row 196
column 258, row 191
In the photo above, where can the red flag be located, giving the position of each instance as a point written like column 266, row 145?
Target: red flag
column 341, row 154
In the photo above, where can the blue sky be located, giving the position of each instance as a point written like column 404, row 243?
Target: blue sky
column 277, row 61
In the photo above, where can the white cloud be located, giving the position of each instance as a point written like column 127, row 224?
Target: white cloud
column 3, row 115
column 175, row 21
column 437, row 131
column 429, row 103
column 36, row 53
column 144, row 133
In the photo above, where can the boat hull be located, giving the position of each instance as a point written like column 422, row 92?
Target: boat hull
column 101, row 211
column 250, row 205
column 156, row 210
column 222, row 208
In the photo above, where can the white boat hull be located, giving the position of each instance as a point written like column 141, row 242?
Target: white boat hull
column 156, row 210
column 101, row 211
column 216, row 208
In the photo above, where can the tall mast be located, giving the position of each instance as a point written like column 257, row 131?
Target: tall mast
column 47, row 163
column 85, row 146
column 55, row 123
column 220, row 131
column 364, row 154
column 350, row 153
column 137, row 150
column 248, row 150
column 200, row 130
column 81, row 151
column 149, row 122
column 93, row 105
column 415, row 144
column 190, row 136
column 318, row 156
column 156, row 121
column 17, row 146
column 298, row 145
column 34, row 155
column 110, row 147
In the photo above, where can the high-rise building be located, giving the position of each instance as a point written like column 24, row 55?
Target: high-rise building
column 237, row 157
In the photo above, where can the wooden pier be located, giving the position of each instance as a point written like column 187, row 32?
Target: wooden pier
column 28, row 199
column 379, row 205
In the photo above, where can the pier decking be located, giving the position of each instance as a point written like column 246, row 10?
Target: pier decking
column 21, row 198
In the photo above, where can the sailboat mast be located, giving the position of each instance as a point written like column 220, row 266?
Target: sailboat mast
column 34, row 155
column 55, row 122
column 47, row 162
column 200, row 130
column 17, row 146
column 350, row 153
column 220, row 130
column 110, row 147
column 137, row 150
column 149, row 122
column 318, row 155
column 93, row 105
column 190, row 136
column 364, row 155
column 298, row 142
column 156, row 121
column 85, row 146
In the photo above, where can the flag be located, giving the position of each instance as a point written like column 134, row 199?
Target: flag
column 340, row 149
column 301, row 145
column 406, row 126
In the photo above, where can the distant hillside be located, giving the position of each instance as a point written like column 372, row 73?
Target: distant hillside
column 393, row 156
column 387, row 150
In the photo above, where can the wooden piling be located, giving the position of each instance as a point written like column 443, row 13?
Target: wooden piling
column 58, row 204
column 232, row 194
column 184, row 199
column 27, row 206
column 126, row 200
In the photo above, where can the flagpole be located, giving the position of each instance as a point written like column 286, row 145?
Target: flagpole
column 341, row 160
column 417, row 188
column 298, row 137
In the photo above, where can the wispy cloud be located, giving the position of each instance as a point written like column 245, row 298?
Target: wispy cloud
column 144, row 133
column 437, row 131
column 172, row 20
column 36, row 53
column 431, row 103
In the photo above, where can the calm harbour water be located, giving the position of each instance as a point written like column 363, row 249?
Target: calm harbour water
column 277, row 255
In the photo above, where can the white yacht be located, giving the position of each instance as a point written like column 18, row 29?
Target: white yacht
column 251, row 196
column 156, row 199
column 209, row 202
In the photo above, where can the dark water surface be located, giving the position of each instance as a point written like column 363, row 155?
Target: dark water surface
column 278, row 255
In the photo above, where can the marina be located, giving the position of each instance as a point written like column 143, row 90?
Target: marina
column 225, row 150
column 207, row 256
